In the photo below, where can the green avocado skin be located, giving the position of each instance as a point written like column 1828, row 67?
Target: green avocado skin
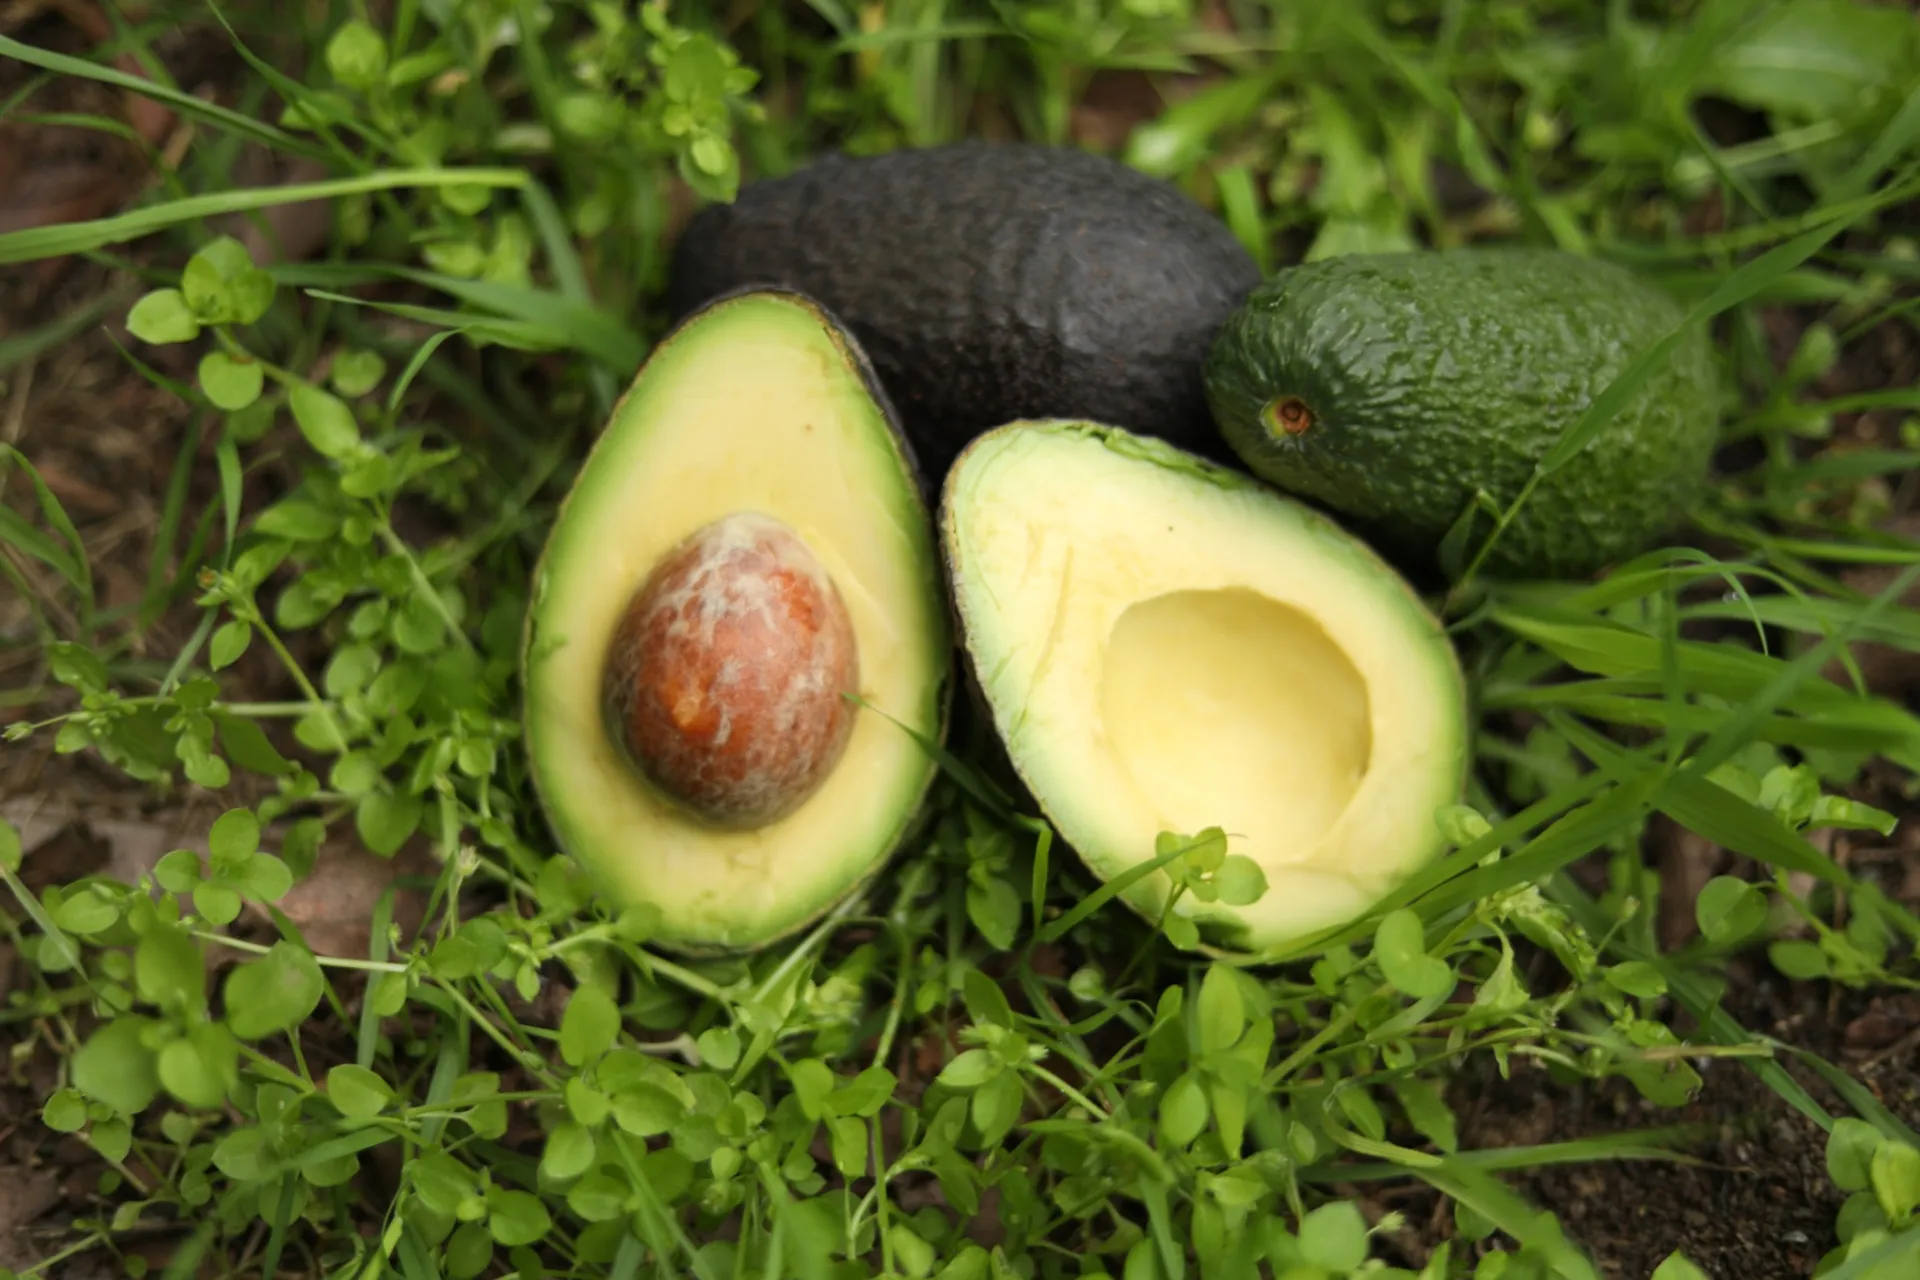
column 1430, row 375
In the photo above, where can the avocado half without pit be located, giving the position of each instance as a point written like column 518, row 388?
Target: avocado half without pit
column 1166, row 645
column 737, row 631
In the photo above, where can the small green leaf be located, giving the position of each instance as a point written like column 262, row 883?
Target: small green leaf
column 229, row 383
column 222, row 285
column 1896, row 1179
column 587, row 1104
column 1798, row 959
column 1839, row 811
column 1637, row 978
column 813, row 1081
column 645, row 1110
column 598, row 1197
column 970, row 1069
column 418, row 626
column 357, row 55
column 915, row 1256
column 162, row 317
column 1221, row 1015
column 1183, row 1111
column 441, row 1182
column 274, row 993
column 848, row 1139
column 1240, row 880
column 1334, row 1237
column 1729, row 909
column 112, row 1139
column 385, row 821
column 1401, row 947
column 10, row 849
column 1850, row 1148
column 591, row 117
column 516, row 1217
column 169, row 969
column 65, row 1111
column 200, row 1067
column 114, row 1067
column 568, row 1153
column 469, row 1251
column 996, row 1106
column 243, row 1154
column 994, row 908
column 1182, row 932
column 589, row 1026
column 711, row 154
column 356, row 1092
column 229, row 641
column 864, row 1095
column 235, row 837
column 298, row 520
column 217, row 903
column 719, row 1047
column 178, row 871
column 1427, row 1109
column 87, row 911
column 1677, row 1266
column 246, row 744
column 325, row 420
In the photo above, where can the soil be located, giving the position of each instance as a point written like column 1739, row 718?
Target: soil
column 1759, row 1205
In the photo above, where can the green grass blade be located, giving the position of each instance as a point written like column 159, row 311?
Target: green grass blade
column 70, row 561
column 1856, row 1095
column 79, row 237
column 1568, row 839
column 1508, row 1210
column 1638, row 1144
column 184, row 104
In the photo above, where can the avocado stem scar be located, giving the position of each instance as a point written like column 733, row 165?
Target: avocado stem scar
column 1288, row 414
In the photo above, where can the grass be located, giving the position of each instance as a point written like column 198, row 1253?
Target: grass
column 980, row 1067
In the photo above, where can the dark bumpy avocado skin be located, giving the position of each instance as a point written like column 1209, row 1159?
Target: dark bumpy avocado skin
column 1429, row 375
column 992, row 281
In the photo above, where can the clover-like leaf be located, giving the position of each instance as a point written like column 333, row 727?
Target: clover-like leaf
column 163, row 317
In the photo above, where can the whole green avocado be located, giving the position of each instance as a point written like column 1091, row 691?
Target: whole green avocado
column 991, row 281
column 1391, row 387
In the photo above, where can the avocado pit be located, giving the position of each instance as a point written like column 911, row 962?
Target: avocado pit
column 724, row 677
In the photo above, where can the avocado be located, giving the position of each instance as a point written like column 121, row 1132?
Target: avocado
column 1164, row 644
column 745, row 552
column 992, row 281
column 1391, row 387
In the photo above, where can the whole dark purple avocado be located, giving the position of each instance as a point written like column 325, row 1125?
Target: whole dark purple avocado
column 992, row 281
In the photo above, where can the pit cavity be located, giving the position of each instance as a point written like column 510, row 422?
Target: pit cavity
column 1232, row 709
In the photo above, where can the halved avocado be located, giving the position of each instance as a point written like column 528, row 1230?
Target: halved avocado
column 746, row 545
column 1166, row 645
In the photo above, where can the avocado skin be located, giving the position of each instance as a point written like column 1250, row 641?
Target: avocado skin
column 1430, row 375
column 992, row 281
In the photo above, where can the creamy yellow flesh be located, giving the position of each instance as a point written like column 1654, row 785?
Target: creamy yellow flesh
column 1164, row 654
column 750, row 408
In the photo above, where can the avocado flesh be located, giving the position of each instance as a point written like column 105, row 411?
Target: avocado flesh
column 756, row 403
column 1165, row 645
column 1390, row 388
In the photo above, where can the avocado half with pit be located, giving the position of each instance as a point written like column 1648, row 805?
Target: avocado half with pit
column 737, row 630
column 1167, row 645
